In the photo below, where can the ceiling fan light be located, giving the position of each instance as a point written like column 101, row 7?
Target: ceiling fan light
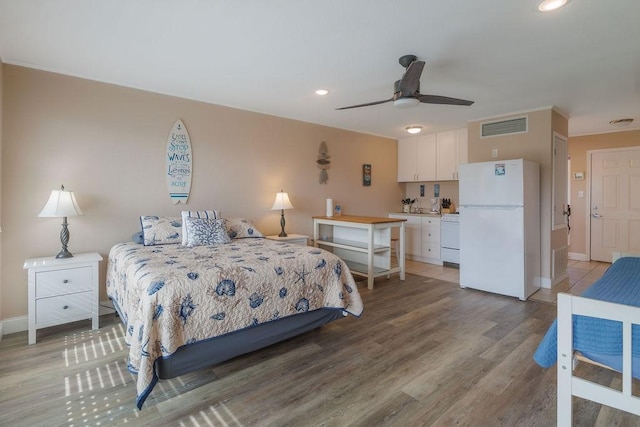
column 414, row 129
column 549, row 5
column 406, row 102
column 322, row 92
column 620, row 122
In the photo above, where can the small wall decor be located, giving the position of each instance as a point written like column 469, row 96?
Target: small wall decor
column 179, row 163
column 578, row 176
column 366, row 175
column 337, row 210
column 323, row 162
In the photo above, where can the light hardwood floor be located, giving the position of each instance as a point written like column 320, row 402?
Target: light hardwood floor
column 425, row 352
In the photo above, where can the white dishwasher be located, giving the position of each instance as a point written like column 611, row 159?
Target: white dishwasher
column 450, row 238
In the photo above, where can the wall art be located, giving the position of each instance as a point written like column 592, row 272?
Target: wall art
column 179, row 163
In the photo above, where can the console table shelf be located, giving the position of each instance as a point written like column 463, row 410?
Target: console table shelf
column 364, row 243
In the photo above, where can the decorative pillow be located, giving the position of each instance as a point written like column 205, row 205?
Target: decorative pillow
column 161, row 230
column 205, row 231
column 241, row 228
column 138, row 238
column 213, row 214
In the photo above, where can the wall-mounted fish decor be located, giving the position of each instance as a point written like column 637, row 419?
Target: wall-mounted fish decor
column 323, row 162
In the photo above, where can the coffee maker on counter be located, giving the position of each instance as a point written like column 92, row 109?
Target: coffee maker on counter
column 435, row 205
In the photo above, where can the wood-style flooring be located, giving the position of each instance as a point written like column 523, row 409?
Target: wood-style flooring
column 425, row 352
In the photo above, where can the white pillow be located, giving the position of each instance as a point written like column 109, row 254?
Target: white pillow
column 160, row 230
column 241, row 228
column 212, row 214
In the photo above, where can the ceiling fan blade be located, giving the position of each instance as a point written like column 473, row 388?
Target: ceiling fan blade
column 435, row 99
column 365, row 105
column 410, row 81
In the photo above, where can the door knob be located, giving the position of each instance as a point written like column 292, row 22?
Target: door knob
column 596, row 215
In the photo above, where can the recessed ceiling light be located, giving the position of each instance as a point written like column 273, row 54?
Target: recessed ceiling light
column 414, row 129
column 620, row 122
column 549, row 5
column 322, row 92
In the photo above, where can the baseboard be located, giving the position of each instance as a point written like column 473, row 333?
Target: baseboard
column 21, row 323
column 574, row 256
column 15, row 324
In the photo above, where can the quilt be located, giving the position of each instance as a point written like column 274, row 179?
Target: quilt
column 170, row 296
column 599, row 339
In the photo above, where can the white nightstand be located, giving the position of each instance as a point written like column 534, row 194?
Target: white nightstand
column 62, row 291
column 296, row 239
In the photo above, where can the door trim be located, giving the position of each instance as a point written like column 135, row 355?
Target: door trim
column 588, row 203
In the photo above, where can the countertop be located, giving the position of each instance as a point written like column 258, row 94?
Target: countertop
column 416, row 214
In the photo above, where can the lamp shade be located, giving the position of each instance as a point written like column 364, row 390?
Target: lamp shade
column 282, row 202
column 61, row 203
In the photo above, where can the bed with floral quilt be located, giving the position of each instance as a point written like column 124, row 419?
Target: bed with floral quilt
column 188, row 306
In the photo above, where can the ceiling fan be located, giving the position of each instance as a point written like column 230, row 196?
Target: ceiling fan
column 406, row 91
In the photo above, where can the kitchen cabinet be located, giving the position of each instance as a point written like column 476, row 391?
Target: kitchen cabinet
column 417, row 158
column 431, row 239
column 451, row 150
column 422, row 237
column 413, row 234
column 432, row 157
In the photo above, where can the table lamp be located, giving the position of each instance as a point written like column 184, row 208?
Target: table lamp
column 62, row 204
column 282, row 202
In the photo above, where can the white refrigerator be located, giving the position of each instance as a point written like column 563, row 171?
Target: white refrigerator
column 500, row 227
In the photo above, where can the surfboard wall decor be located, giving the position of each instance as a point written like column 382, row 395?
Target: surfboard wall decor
column 179, row 163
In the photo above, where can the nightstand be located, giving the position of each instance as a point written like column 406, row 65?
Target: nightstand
column 62, row 291
column 296, row 239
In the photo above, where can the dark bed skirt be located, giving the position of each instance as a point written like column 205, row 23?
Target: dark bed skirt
column 206, row 353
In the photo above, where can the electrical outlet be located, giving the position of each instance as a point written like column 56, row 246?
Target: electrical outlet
column 494, row 153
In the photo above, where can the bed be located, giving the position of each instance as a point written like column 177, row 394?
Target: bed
column 602, row 326
column 187, row 307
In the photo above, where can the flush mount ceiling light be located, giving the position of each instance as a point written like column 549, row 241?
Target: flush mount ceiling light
column 549, row 5
column 406, row 102
column 620, row 122
column 322, row 92
column 414, row 129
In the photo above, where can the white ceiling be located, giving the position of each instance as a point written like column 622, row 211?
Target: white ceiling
column 270, row 55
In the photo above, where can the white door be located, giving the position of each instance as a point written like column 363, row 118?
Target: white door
column 615, row 202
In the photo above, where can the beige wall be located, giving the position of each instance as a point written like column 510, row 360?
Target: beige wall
column 578, row 148
column 107, row 144
column 535, row 145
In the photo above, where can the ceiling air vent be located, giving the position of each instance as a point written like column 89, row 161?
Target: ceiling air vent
column 504, row 127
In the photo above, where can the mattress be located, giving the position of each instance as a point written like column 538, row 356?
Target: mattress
column 173, row 296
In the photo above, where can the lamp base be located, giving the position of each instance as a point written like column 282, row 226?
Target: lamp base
column 64, row 239
column 282, row 223
column 64, row 254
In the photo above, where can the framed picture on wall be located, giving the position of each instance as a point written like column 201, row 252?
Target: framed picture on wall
column 366, row 175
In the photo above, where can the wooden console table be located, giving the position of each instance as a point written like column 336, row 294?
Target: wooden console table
column 364, row 243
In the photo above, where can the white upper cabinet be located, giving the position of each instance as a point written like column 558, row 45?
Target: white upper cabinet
column 451, row 151
column 417, row 158
column 447, row 154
